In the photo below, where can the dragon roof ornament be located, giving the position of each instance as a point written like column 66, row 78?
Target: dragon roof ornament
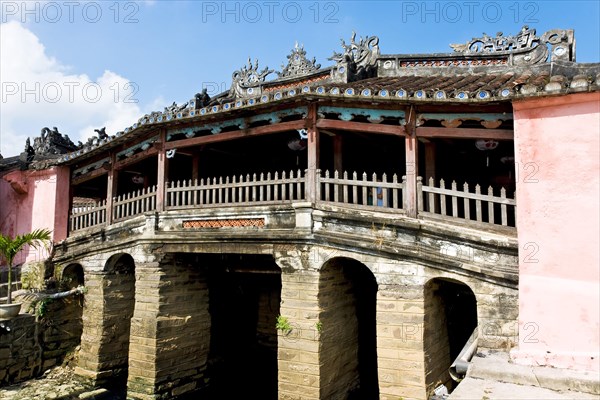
column 358, row 61
column 298, row 64
column 534, row 48
column 246, row 81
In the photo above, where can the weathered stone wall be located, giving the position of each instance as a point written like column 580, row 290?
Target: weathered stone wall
column 170, row 335
column 298, row 350
column 20, row 351
column 61, row 330
column 338, row 349
column 106, row 319
column 436, row 343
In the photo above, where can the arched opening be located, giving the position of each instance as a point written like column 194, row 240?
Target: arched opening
column 348, row 342
column 71, row 277
column 244, row 302
column 119, row 302
column 451, row 317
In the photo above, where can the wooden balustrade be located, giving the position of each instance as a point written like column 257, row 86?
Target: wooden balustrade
column 248, row 190
column 87, row 215
column 135, row 203
column 376, row 193
column 464, row 204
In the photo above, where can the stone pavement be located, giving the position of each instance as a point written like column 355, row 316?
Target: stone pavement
column 492, row 377
column 58, row 383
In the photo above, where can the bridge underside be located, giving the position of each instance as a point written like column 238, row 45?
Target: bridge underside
column 313, row 304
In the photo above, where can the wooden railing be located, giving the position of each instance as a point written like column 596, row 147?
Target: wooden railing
column 248, row 190
column 136, row 203
column 375, row 193
column 88, row 215
column 465, row 204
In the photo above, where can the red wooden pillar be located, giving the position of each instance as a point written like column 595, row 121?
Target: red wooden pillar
column 313, row 154
column 111, row 190
column 411, row 195
column 161, row 181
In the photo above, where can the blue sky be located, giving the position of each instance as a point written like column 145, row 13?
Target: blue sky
column 145, row 55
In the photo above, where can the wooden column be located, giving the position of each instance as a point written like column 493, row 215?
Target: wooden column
column 195, row 166
column 111, row 190
column 410, row 197
column 337, row 154
column 313, row 154
column 429, row 161
column 162, row 173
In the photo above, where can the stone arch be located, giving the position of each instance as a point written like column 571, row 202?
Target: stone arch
column 72, row 276
column 450, row 318
column 347, row 325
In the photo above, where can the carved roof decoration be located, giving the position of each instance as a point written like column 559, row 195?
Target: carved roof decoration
column 358, row 60
column 298, row 64
column 525, row 47
column 246, row 81
column 486, row 69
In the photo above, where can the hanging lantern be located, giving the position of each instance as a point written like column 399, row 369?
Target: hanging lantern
column 486, row 145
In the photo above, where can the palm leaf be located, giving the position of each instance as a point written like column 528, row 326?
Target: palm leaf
column 9, row 248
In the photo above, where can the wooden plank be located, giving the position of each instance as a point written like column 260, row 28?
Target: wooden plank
column 352, row 126
column 221, row 137
column 464, row 133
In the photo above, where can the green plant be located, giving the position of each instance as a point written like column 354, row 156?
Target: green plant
column 283, row 324
column 40, row 307
column 319, row 326
column 10, row 247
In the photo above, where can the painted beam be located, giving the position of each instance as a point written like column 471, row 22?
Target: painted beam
column 361, row 127
column 136, row 158
column 260, row 130
column 90, row 175
column 464, row 133
column 348, row 113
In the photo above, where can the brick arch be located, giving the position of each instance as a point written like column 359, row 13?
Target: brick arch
column 450, row 317
column 348, row 344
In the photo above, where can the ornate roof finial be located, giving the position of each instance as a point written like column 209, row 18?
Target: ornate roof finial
column 298, row 64
column 247, row 78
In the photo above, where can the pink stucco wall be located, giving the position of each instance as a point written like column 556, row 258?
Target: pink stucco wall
column 44, row 205
column 557, row 156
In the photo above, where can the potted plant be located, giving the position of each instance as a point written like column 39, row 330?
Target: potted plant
column 9, row 248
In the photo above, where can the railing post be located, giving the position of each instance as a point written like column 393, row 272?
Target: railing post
column 162, row 173
column 313, row 154
column 410, row 197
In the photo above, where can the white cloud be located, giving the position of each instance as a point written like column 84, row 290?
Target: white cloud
column 38, row 91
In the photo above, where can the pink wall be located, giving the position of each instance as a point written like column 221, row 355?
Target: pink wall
column 557, row 154
column 41, row 200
